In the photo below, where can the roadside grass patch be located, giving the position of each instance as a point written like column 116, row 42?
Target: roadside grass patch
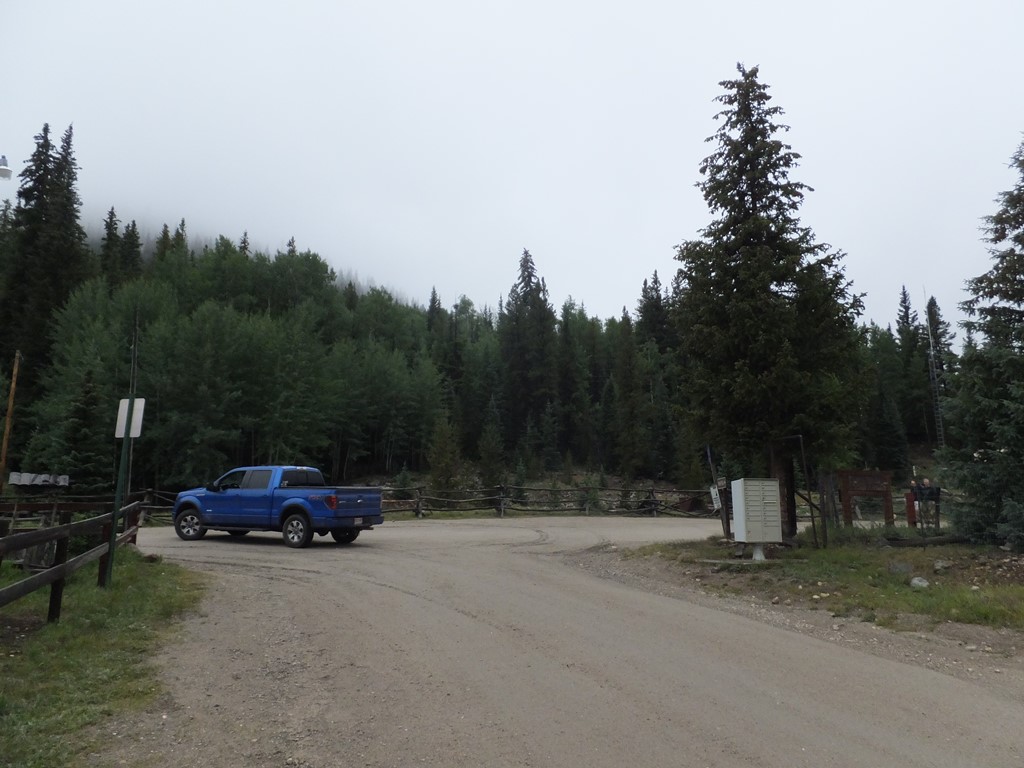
column 59, row 680
column 860, row 576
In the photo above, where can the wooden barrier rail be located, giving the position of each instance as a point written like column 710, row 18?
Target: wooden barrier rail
column 56, row 575
column 584, row 500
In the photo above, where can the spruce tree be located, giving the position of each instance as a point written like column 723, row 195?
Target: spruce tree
column 131, row 252
column 492, row 454
column 111, row 253
column 652, row 320
column 576, row 352
column 913, row 396
column 526, row 336
column 765, row 314
column 631, row 443
column 49, row 257
column 7, row 247
column 444, row 458
column 985, row 415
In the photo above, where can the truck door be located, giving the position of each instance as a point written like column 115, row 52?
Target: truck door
column 254, row 499
column 221, row 506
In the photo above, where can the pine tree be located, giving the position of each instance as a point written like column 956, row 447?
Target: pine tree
column 492, row 454
column 985, row 415
column 765, row 314
column 526, row 335
column 111, row 253
column 49, row 258
column 631, row 441
column 576, row 353
column 179, row 241
column 163, row 244
column 131, row 252
column 90, row 457
column 913, row 393
column 652, row 320
column 7, row 247
column 170, row 261
column 444, row 458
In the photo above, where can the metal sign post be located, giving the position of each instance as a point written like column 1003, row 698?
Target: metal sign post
column 129, row 425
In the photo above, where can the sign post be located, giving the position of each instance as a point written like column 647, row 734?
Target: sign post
column 7, row 420
column 129, row 425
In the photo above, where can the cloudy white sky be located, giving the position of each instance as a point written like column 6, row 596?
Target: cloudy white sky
column 419, row 144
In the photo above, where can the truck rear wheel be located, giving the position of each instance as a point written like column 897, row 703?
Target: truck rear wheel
column 345, row 535
column 296, row 531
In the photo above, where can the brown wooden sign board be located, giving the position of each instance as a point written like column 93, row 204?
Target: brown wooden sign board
column 854, row 483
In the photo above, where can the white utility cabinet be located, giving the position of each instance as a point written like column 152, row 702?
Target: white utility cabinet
column 757, row 510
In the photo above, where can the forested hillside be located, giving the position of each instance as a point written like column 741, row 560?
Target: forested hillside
column 245, row 356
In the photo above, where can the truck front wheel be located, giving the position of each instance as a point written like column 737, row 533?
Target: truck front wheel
column 189, row 525
column 345, row 535
column 296, row 531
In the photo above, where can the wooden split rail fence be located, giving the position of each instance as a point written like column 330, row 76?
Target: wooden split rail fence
column 55, row 568
column 516, row 500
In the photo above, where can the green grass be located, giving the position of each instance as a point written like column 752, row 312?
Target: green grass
column 59, row 681
column 855, row 577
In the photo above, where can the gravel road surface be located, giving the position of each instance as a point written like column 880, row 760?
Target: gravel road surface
column 527, row 642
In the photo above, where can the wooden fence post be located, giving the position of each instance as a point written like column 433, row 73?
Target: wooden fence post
column 133, row 522
column 5, row 528
column 60, row 557
column 102, row 580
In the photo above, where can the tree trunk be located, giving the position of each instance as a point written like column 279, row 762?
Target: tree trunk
column 781, row 461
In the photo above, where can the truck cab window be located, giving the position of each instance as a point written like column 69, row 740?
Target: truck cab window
column 257, row 479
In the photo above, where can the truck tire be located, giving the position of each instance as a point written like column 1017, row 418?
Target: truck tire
column 345, row 535
column 296, row 531
column 189, row 525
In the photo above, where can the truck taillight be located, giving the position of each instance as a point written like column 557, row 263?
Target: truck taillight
column 331, row 501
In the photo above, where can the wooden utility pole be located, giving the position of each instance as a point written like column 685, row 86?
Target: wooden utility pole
column 7, row 421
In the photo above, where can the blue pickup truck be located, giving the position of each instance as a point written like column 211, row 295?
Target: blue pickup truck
column 293, row 500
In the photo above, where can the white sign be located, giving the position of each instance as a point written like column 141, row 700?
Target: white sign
column 122, row 416
column 716, row 497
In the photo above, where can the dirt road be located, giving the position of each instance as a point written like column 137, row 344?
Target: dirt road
column 489, row 644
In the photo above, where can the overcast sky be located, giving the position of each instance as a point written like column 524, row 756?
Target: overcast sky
column 420, row 144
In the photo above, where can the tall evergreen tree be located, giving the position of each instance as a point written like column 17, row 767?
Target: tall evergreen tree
column 7, row 248
column 111, row 253
column 985, row 415
column 492, row 455
column 883, row 440
column 652, row 320
column 131, row 252
column 766, row 316
column 172, row 262
column 163, row 244
column 445, row 458
column 913, row 393
column 526, row 335
column 576, row 352
column 49, row 258
column 631, row 441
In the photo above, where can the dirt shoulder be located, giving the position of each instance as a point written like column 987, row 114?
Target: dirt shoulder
column 967, row 651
